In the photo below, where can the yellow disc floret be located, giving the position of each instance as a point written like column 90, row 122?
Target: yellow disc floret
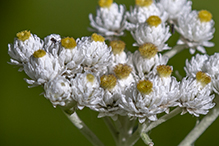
column 90, row 78
column 108, row 82
column 105, row 3
column 204, row 16
column 95, row 37
column 154, row 21
column 145, row 87
column 68, row 43
column 118, row 46
column 143, row 3
column 122, row 71
column 39, row 53
column 203, row 78
column 164, row 70
column 23, row 35
column 148, row 50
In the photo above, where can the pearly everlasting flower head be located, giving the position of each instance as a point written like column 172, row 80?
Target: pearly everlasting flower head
column 97, row 55
column 141, row 12
column 52, row 44
column 153, row 31
column 110, row 19
column 175, row 8
column 196, row 29
column 58, row 91
column 212, row 65
column 25, row 44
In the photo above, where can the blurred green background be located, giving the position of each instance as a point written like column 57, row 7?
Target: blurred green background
column 28, row 119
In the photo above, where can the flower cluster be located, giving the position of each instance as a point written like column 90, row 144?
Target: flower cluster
column 88, row 72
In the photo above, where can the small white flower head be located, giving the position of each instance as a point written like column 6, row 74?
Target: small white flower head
column 175, row 8
column 147, row 98
column 195, row 95
column 52, row 44
column 141, row 12
column 110, row 19
column 86, row 90
column 212, row 65
column 197, row 63
column 24, row 46
column 42, row 67
column 146, row 60
column 97, row 55
column 153, row 31
column 58, row 91
column 196, row 29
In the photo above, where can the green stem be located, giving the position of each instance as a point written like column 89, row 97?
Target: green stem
column 174, row 51
column 201, row 127
column 84, row 129
column 146, row 139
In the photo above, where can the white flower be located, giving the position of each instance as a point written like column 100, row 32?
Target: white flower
column 194, row 98
column 42, row 67
column 196, row 29
column 97, row 55
column 52, row 43
column 58, row 91
column 110, row 21
column 139, row 14
column 24, row 46
column 86, row 90
column 212, row 65
column 197, row 63
column 175, row 8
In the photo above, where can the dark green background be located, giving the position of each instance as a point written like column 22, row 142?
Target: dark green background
column 28, row 119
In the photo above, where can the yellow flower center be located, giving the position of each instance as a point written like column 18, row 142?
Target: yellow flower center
column 204, row 16
column 154, row 21
column 122, row 71
column 148, row 50
column 23, row 35
column 95, row 37
column 203, row 78
column 39, row 53
column 90, row 78
column 68, row 43
column 145, row 87
column 143, row 3
column 108, row 81
column 118, row 46
column 105, row 3
column 164, row 70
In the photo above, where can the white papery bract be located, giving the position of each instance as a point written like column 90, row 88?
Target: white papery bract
column 143, row 106
column 151, row 34
column 212, row 65
column 194, row 33
column 20, row 51
column 109, row 21
column 97, row 55
column 194, row 98
column 175, row 8
column 138, row 15
column 42, row 69
column 197, row 63
column 144, row 65
column 52, row 44
column 58, row 91
column 85, row 92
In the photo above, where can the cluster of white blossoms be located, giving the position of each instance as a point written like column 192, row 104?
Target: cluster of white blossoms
column 88, row 72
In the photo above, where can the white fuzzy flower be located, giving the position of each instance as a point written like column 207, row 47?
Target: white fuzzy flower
column 175, row 8
column 58, row 91
column 110, row 21
column 195, row 98
column 196, row 29
column 97, row 55
column 212, row 65
column 42, row 67
column 86, row 90
column 52, row 44
column 24, row 46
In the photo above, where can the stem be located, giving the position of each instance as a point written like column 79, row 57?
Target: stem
column 201, row 127
column 146, row 139
column 175, row 50
column 163, row 119
column 84, row 129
